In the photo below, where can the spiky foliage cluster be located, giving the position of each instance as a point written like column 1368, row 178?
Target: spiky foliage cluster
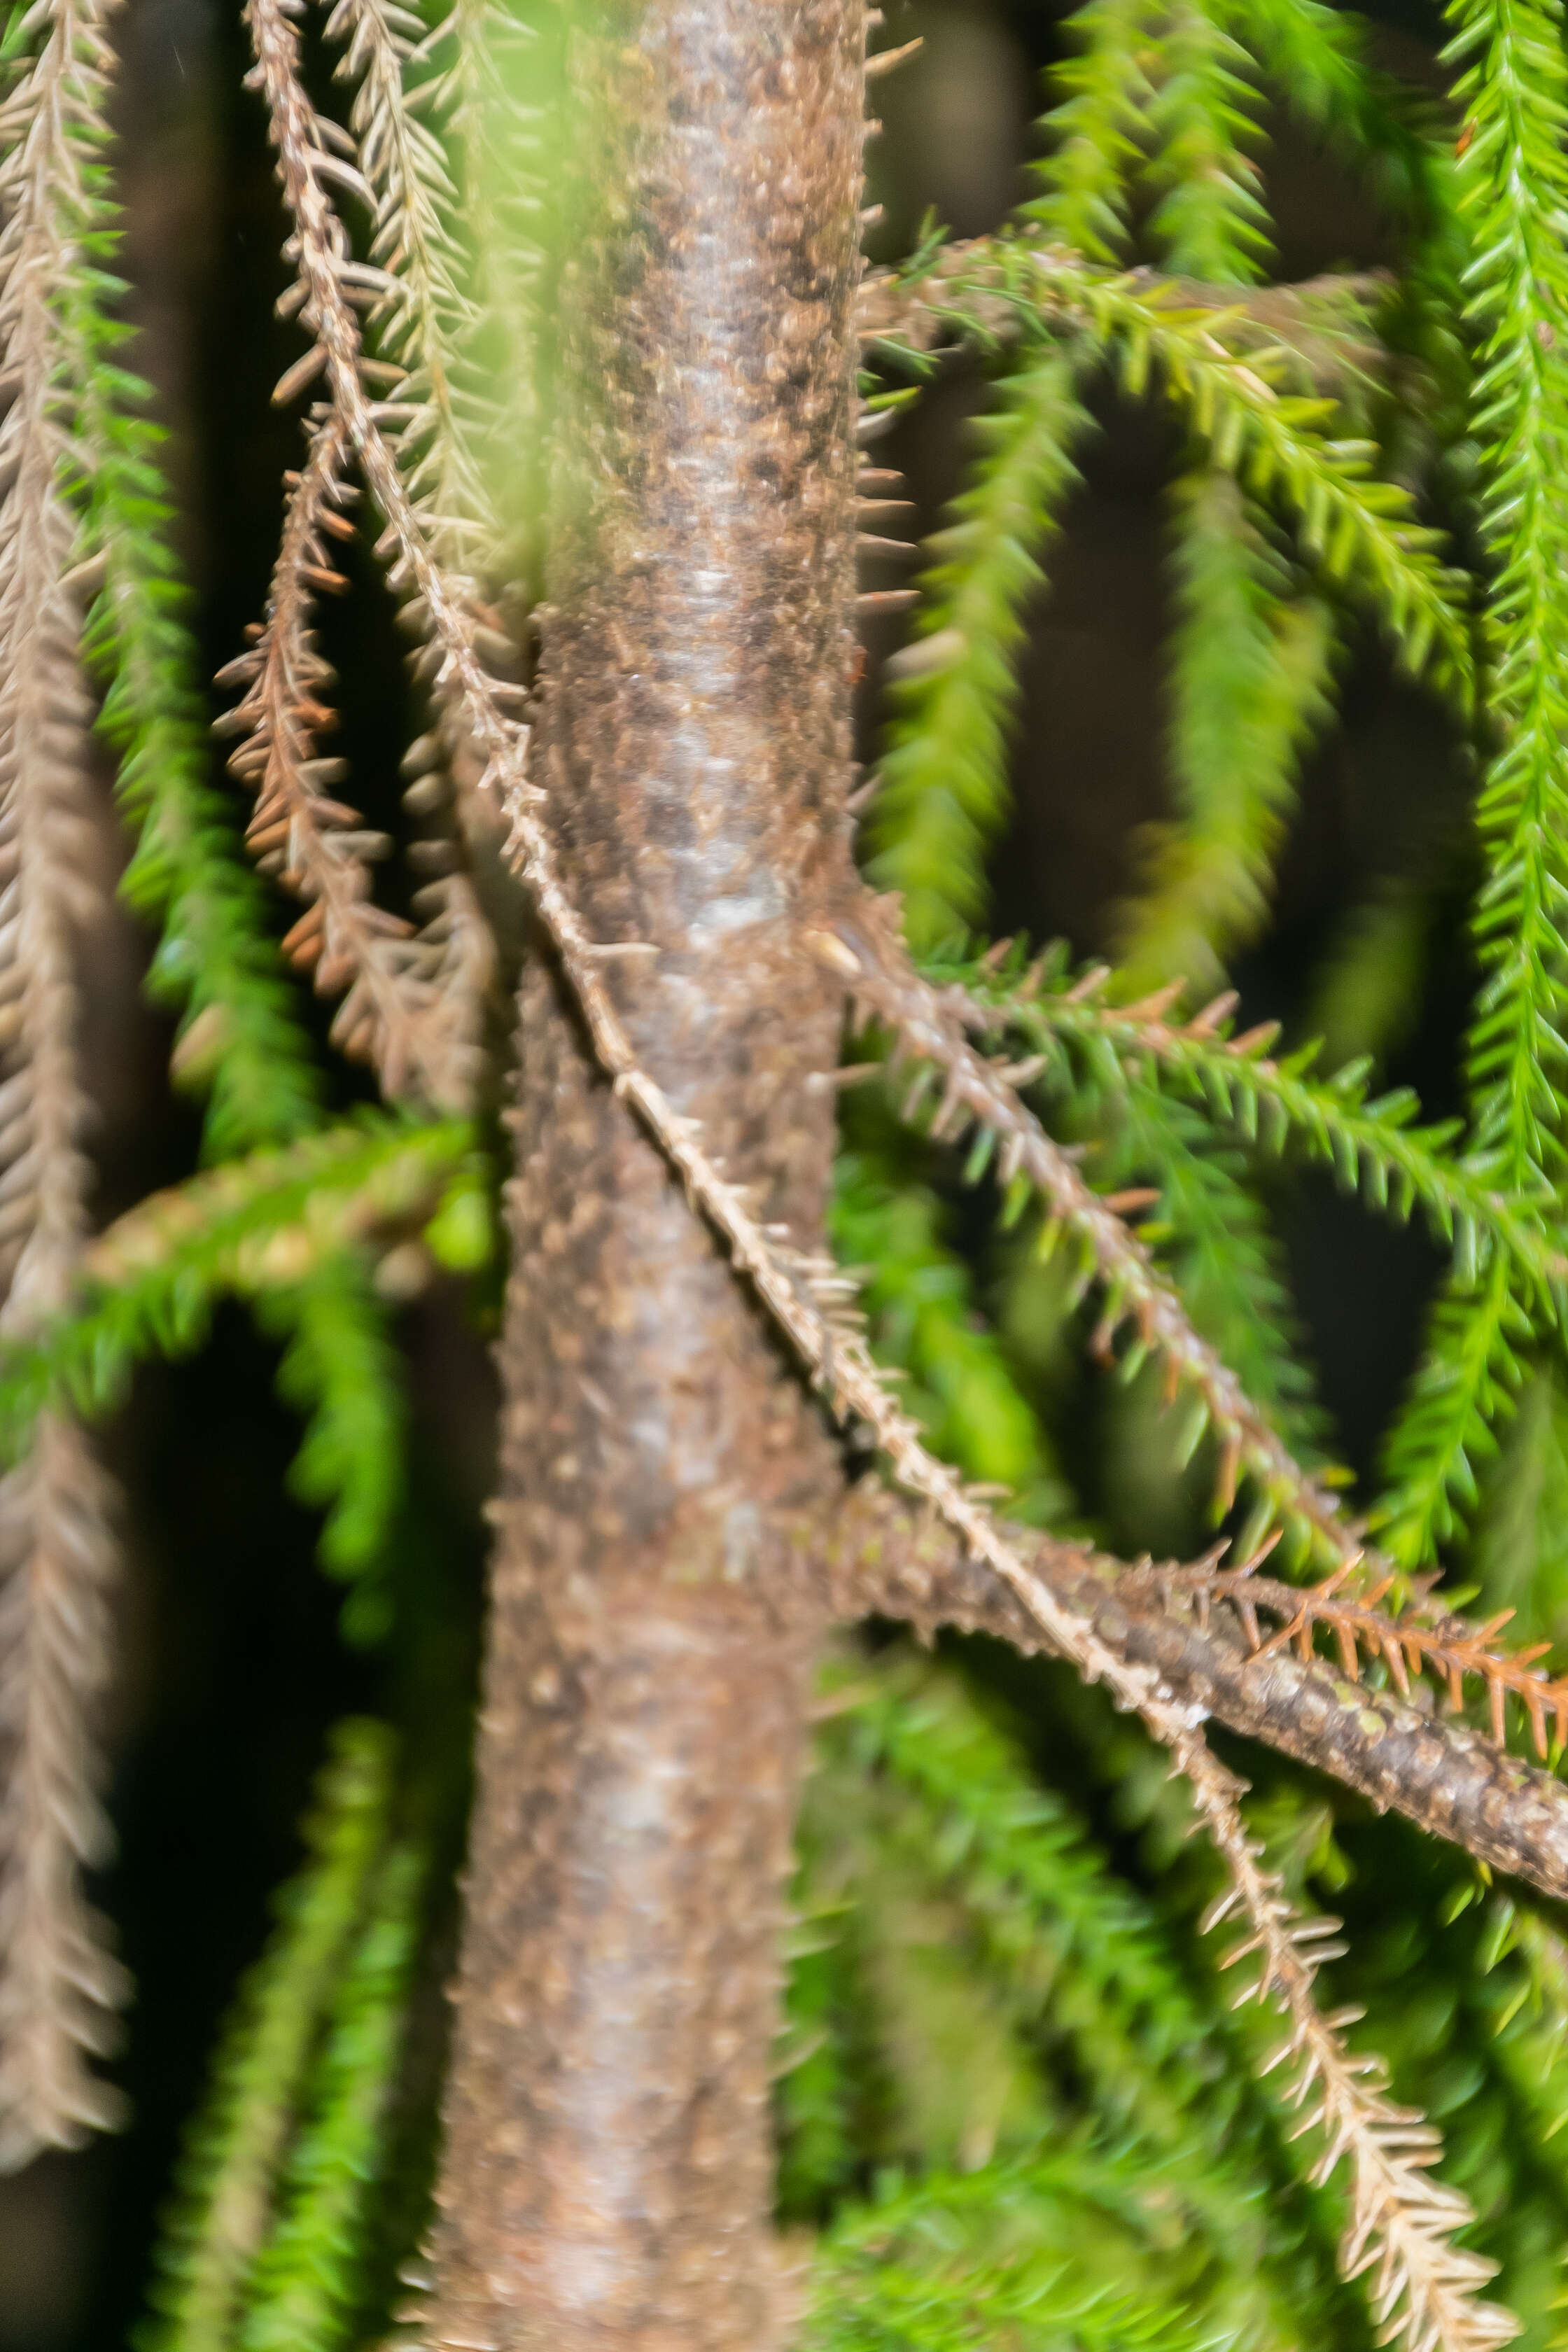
column 266, row 2237
column 1013, row 2103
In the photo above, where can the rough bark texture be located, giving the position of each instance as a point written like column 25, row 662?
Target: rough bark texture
column 1444, row 1775
column 607, row 2173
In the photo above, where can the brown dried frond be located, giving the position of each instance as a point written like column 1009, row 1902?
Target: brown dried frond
column 443, row 796
column 423, row 318
column 459, row 632
column 1448, row 1647
column 399, row 1010
column 1403, row 2222
column 59, row 1988
column 482, row 96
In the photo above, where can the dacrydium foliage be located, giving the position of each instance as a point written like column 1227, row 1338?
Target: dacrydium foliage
column 803, row 1986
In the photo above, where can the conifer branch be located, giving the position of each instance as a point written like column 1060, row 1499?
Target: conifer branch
column 1448, row 1777
column 240, row 1042
column 59, row 1988
column 1424, row 2286
column 802, row 1295
column 1401, row 2221
column 1447, row 1647
column 1070, row 1949
column 1507, row 1263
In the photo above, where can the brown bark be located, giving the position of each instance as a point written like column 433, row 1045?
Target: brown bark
column 1447, row 1777
column 606, row 2177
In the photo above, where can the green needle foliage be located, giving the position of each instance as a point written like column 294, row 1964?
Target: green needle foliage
column 1210, row 221
column 1249, row 680
column 1053, row 2252
column 265, row 2198
column 1513, row 187
column 944, row 792
column 308, row 2286
column 1098, row 129
column 255, row 1227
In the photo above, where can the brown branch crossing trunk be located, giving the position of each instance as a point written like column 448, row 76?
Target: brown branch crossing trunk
column 607, row 2171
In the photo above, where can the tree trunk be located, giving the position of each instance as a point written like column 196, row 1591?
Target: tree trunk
column 607, row 2171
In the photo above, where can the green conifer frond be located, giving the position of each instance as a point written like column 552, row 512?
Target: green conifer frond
column 1513, row 190
column 247, row 1227
column 217, row 962
column 1210, row 221
column 920, row 1298
column 228, row 2186
column 425, row 317
column 307, row 2287
column 1210, row 1230
column 241, row 1044
column 818, row 2091
column 1054, row 2249
column 1081, row 1960
column 1281, row 448
column 486, row 91
column 1520, row 1555
column 944, row 792
column 1279, row 444
column 1249, row 678
column 341, row 1372
column 1315, row 59
column 1525, row 1958
column 1097, row 128
column 1371, row 1145
column 1448, row 1428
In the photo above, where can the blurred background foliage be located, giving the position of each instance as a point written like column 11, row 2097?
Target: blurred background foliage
column 996, row 1980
